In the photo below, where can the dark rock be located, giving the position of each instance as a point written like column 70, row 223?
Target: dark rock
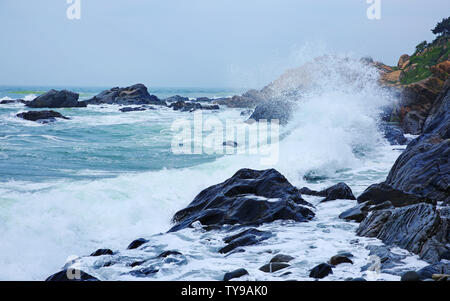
column 203, row 99
column 176, row 98
column 168, row 253
column 433, row 269
column 394, row 134
column 101, row 252
column 271, row 110
column 321, row 271
column 9, row 101
column 338, row 259
column 250, row 197
column 421, row 229
column 132, row 109
column 71, row 275
column 359, row 279
column 282, row 258
column 360, row 211
column 380, row 193
column 335, row 192
column 248, row 237
column 235, row 274
column 137, row 243
column 44, row 116
column 410, row 276
column 57, row 99
column 237, row 102
column 133, row 95
column 137, row 263
column 273, row 267
column 191, row 106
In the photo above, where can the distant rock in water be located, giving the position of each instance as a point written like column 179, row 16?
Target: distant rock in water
column 57, row 99
column 176, row 98
column 250, row 197
column 133, row 95
column 41, row 116
column 270, row 110
column 134, row 109
column 9, row 101
column 191, row 106
column 340, row 191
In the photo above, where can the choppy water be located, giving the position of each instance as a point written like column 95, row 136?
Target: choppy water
column 105, row 178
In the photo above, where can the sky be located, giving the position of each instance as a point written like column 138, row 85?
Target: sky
column 198, row 43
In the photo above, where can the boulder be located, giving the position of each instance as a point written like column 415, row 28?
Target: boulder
column 273, row 110
column 335, row 192
column 191, row 106
column 249, row 197
column 433, row 269
column 360, row 211
column 57, row 99
column 235, row 274
column 9, row 101
column 321, row 271
column 137, row 243
column 71, row 275
column 393, row 134
column 282, row 258
column 41, row 116
column 273, row 267
column 132, row 109
column 133, row 95
column 248, row 237
column 410, row 276
column 421, row 229
column 101, row 252
column 338, row 259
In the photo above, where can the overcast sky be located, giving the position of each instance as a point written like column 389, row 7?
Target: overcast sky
column 198, row 43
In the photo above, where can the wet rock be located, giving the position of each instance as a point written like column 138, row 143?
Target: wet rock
column 57, row 99
column 338, row 259
column 394, row 134
column 432, row 269
column 132, row 109
column 191, row 106
column 248, row 237
column 101, row 252
column 137, row 263
column 137, row 243
column 380, row 193
column 273, row 267
column 321, row 271
column 235, row 274
column 168, row 253
column 359, row 279
column 133, row 95
column 410, row 276
column 249, row 198
column 282, row 258
column 421, row 229
column 335, row 192
column 71, row 275
column 41, row 116
column 237, row 102
column 10, row 101
column 145, row 272
column 273, row 110
column 176, row 98
column 387, row 259
column 360, row 211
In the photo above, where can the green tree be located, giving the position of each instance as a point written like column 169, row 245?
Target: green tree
column 421, row 47
column 442, row 28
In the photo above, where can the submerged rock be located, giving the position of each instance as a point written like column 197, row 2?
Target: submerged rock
column 191, row 106
column 71, row 275
column 360, row 211
column 133, row 95
column 133, row 109
column 41, row 116
column 248, row 237
column 321, row 271
column 235, row 274
column 421, row 229
column 249, row 197
column 137, row 243
column 57, row 99
column 101, row 252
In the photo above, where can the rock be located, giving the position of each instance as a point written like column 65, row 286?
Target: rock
column 421, row 229
column 387, row 259
column 176, row 98
column 356, row 214
column 282, row 258
column 132, row 109
column 57, row 99
column 436, row 268
column 321, row 271
column 133, row 95
column 423, row 168
column 71, row 275
column 410, row 276
column 273, row 267
column 246, row 113
column 9, row 101
column 144, row 272
column 248, row 237
column 394, row 134
column 359, row 279
column 191, row 106
column 137, row 243
column 101, row 252
column 402, row 61
column 338, row 259
column 273, row 110
column 203, row 99
column 249, row 197
column 168, row 253
column 237, row 102
column 235, row 274
column 41, row 116
column 380, row 193
column 335, row 192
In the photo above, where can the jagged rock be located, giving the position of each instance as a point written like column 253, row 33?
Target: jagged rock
column 101, row 252
column 137, row 243
column 421, row 229
column 133, row 95
column 360, row 211
column 380, row 193
column 250, row 197
column 248, row 237
column 282, row 258
column 41, row 116
column 57, row 99
column 273, row 267
column 71, row 275
column 271, row 110
column 394, row 134
column 335, row 192
column 235, row 274
column 321, row 271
